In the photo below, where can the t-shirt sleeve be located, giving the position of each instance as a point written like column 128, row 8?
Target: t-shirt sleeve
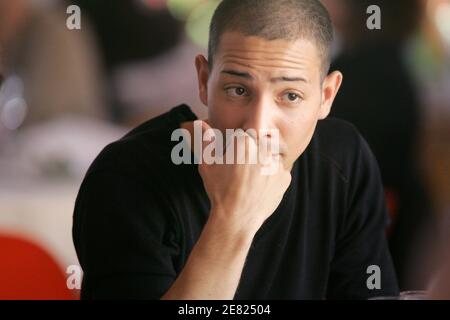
column 125, row 238
column 361, row 267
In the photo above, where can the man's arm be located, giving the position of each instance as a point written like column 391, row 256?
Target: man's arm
column 241, row 200
column 215, row 264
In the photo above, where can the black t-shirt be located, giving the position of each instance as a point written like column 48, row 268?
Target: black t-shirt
column 138, row 216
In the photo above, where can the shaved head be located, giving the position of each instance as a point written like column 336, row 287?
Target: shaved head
column 272, row 20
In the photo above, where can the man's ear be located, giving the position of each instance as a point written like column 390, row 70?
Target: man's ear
column 330, row 88
column 201, row 64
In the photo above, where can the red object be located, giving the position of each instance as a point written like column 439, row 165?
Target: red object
column 27, row 272
column 392, row 204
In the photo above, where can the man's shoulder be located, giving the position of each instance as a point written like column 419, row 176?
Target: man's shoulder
column 145, row 147
column 334, row 134
column 168, row 120
column 340, row 144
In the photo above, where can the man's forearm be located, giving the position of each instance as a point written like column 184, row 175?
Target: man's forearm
column 215, row 265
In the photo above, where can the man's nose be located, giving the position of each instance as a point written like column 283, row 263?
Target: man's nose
column 259, row 117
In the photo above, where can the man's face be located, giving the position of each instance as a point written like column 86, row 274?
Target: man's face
column 266, row 85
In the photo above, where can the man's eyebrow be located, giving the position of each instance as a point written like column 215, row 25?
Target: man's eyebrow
column 247, row 75
column 289, row 79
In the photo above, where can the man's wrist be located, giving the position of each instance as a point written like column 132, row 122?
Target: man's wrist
column 232, row 224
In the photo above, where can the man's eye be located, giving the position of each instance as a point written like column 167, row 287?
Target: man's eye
column 292, row 97
column 236, row 91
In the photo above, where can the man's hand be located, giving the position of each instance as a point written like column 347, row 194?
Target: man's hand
column 240, row 195
column 242, row 198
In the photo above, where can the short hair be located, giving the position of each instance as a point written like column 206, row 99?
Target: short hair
column 274, row 19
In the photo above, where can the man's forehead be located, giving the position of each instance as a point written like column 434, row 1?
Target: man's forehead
column 251, row 51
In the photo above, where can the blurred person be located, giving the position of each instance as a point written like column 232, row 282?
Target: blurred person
column 429, row 59
column 52, row 93
column 129, row 31
column 379, row 97
column 145, row 227
column 142, row 46
column 57, row 67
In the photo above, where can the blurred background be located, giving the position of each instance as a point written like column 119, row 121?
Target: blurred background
column 65, row 94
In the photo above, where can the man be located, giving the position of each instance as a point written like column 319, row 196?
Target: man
column 147, row 228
